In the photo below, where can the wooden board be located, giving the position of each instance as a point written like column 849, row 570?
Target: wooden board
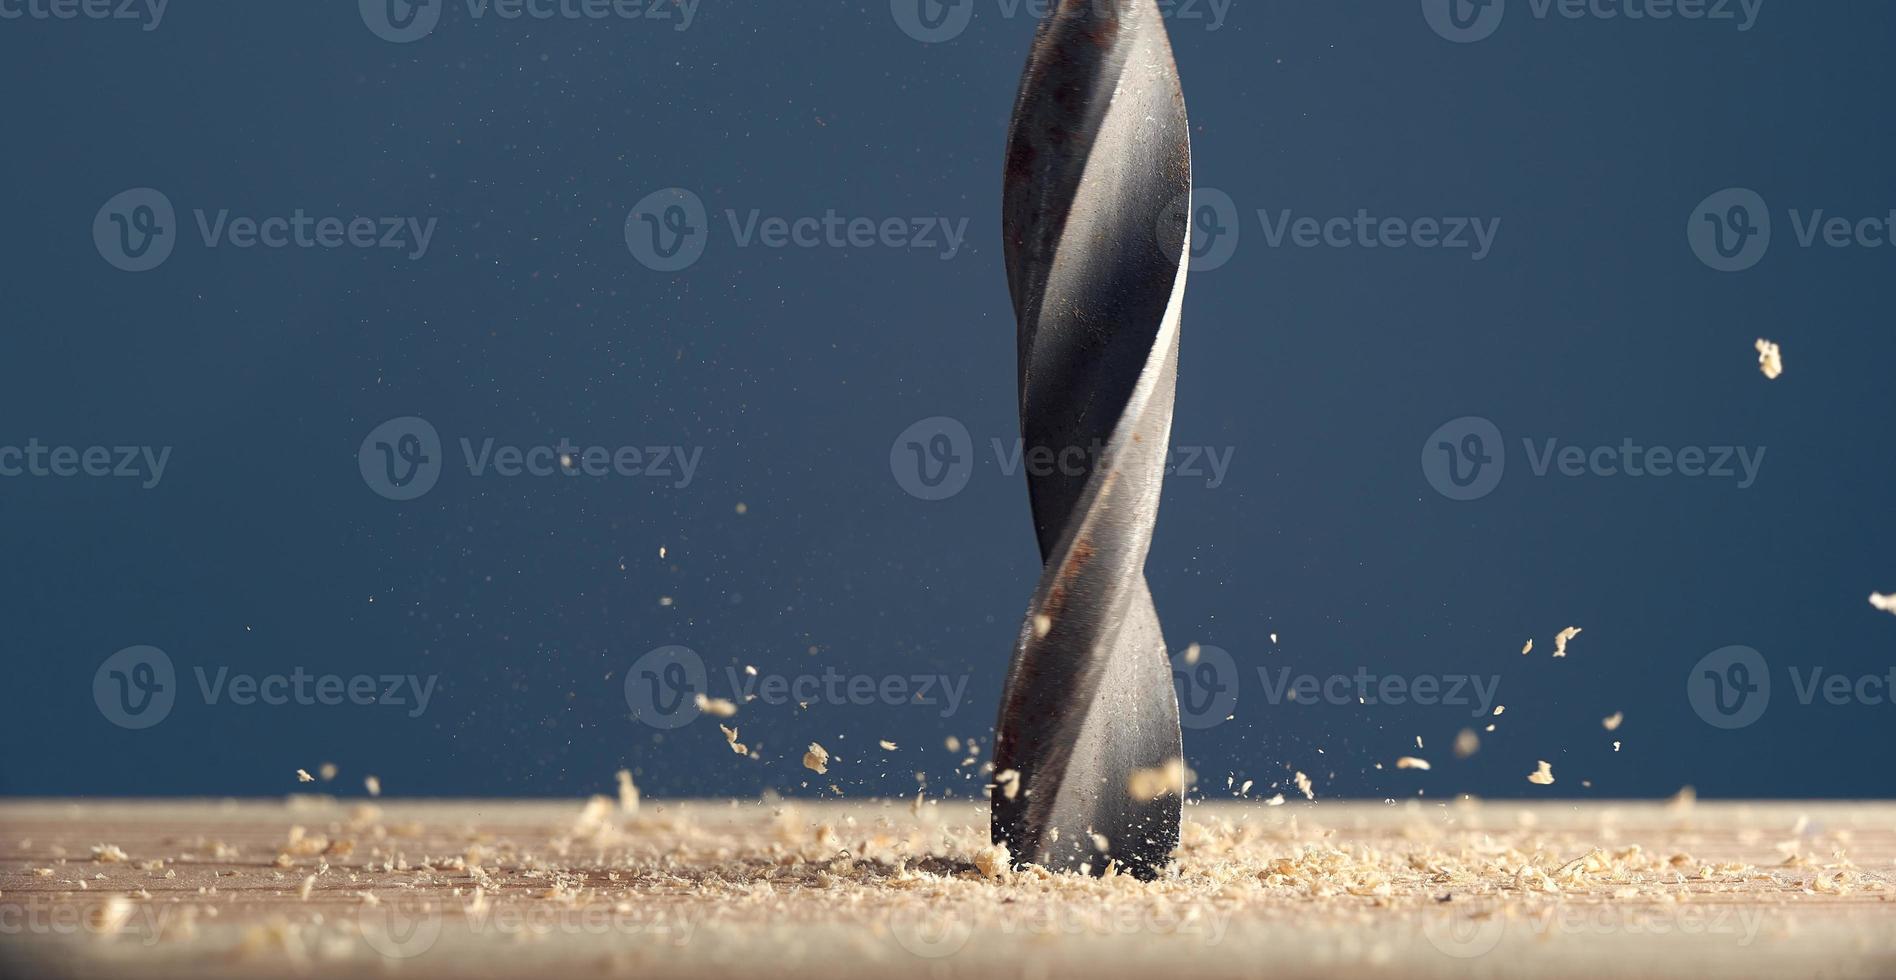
column 312, row 886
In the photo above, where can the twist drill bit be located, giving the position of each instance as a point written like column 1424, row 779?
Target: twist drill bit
column 1098, row 166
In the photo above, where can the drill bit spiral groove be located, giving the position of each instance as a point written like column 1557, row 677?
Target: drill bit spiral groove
column 1098, row 187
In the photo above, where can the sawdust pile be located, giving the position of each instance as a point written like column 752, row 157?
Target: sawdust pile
column 271, row 887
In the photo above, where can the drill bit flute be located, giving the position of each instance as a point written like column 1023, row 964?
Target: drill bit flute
column 1094, row 213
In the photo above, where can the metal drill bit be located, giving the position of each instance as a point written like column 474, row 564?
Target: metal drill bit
column 1098, row 188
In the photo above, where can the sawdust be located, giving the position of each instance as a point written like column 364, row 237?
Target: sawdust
column 1467, row 743
column 1150, row 784
column 716, row 707
column 1267, row 876
column 1770, row 359
column 730, row 738
column 628, row 793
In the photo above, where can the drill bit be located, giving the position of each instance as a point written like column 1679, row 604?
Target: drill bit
column 1097, row 193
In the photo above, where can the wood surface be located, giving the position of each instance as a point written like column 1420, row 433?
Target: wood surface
column 313, row 886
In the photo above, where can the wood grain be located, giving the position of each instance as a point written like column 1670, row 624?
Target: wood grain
column 762, row 889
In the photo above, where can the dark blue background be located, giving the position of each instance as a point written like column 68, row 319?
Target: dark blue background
column 1324, row 369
